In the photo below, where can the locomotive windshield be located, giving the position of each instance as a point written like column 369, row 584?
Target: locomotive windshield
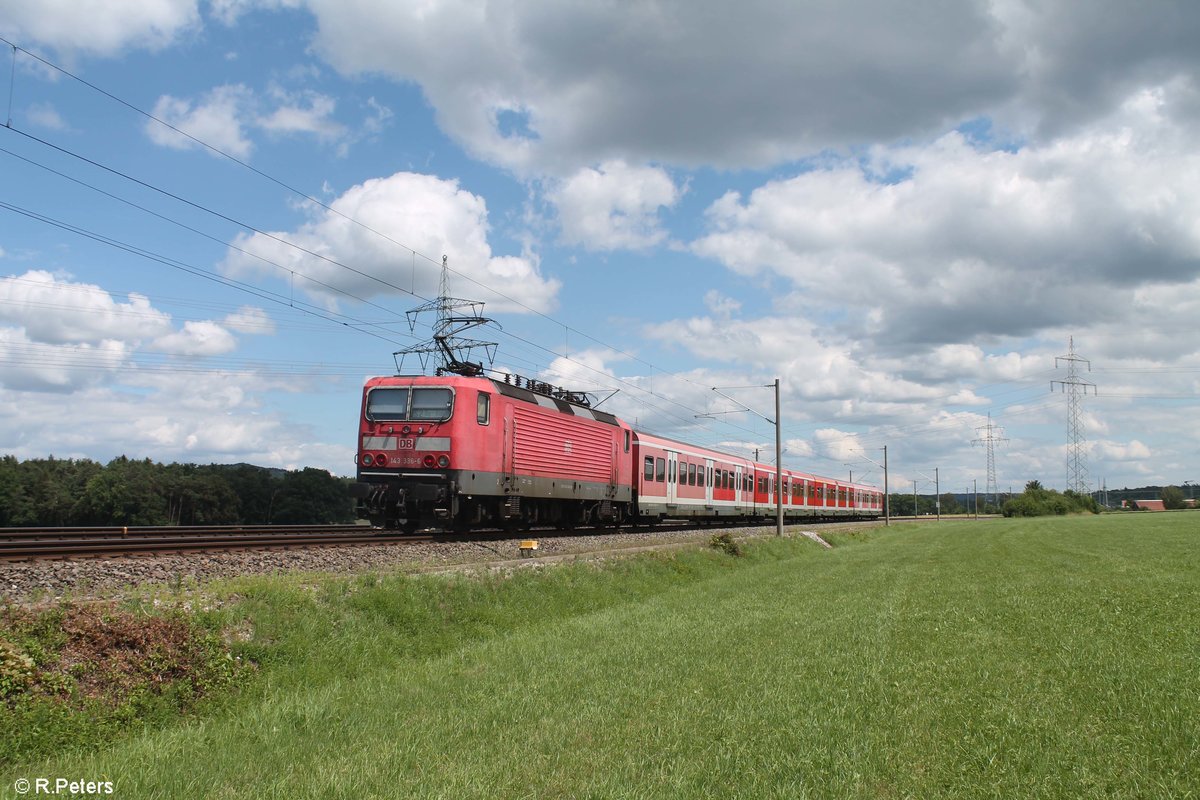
column 387, row 404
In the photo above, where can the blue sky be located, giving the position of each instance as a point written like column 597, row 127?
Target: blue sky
column 903, row 214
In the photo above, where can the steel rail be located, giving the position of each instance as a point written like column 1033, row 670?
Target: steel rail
column 122, row 532
column 29, row 550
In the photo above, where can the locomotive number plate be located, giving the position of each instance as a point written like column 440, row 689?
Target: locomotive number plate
column 406, row 444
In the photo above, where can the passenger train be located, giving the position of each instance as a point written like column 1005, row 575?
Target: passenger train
column 460, row 452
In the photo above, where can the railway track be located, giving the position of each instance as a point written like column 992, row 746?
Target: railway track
column 29, row 544
column 34, row 544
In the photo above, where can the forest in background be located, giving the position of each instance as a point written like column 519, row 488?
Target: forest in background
column 53, row 492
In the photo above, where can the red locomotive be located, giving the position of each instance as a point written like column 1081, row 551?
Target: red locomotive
column 457, row 452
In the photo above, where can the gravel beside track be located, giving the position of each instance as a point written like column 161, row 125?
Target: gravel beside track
column 83, row 579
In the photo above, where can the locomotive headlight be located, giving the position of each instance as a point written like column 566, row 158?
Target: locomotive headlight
column 366, row 459
column 443, row 461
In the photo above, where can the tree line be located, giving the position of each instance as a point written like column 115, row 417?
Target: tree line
column 52, row 492
column 1035, row 501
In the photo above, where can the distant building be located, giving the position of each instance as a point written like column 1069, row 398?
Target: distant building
column 1147, row 505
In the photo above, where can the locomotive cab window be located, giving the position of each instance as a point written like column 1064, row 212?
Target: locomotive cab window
column 425, row 404
column 483, row 408
column 431, row 404
column 387, row 404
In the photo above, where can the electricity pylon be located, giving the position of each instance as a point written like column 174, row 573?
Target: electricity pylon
column 989, row 438
column 1075, row 388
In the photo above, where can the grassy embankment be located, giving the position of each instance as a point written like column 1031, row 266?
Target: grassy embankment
column 1031, row 658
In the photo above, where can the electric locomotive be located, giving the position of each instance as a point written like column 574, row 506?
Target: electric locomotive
column 456, row 452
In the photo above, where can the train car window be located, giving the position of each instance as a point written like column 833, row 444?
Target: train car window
column 649, row 474
column 671, row 475
column 387, row 404
column 660, row 473
column 431, row 404
column 691, row 475
column 700, row 475
column 483, row 408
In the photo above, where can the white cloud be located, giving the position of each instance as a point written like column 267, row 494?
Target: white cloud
column 228, row 12
column 970, row 242
column 196, row 339
column 1122, row 451
column 302, row 112
column 813, row 364
column 249, row 319
column 423, row 212
column 54, row 311
column 839, row 445
column 184, row 417
column 64, row 336
column 36, row 366
column 225, row 116
column 545, row 89
column 103, row 27
column 720, row 305
column 45, row 115
column 217, row 120
column 615, row 206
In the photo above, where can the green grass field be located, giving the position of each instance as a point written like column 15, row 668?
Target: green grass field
column 1004, row 658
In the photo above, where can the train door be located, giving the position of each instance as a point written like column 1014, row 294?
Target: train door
column 708, row 483
column 738, row 487
column 672, row 472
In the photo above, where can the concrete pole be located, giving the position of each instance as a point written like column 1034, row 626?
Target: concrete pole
column 887, row 504
column 778, row 465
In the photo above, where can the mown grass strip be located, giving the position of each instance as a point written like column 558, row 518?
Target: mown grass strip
column 1007, row 659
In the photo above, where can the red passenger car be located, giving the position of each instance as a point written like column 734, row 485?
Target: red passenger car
column 675, row 480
